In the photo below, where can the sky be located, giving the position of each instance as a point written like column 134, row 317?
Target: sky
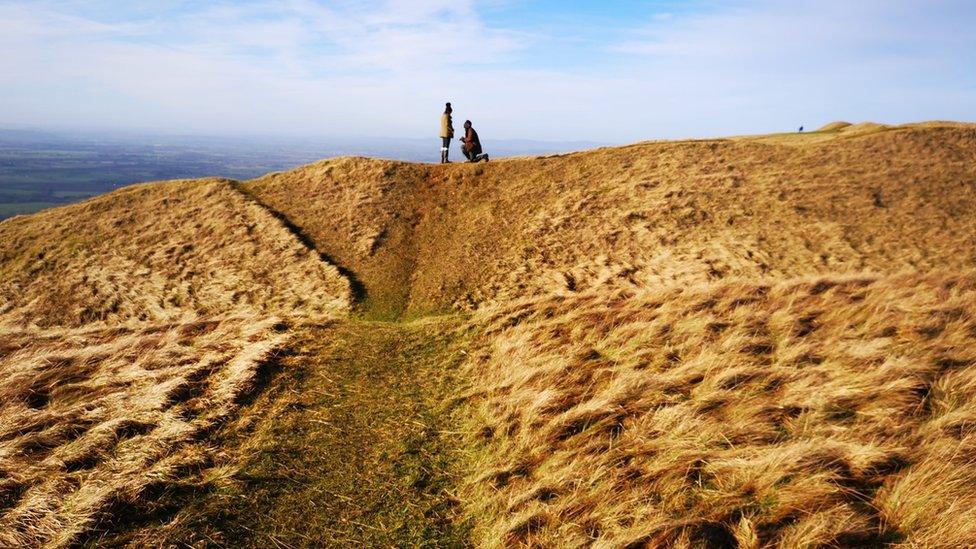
column 607, row 71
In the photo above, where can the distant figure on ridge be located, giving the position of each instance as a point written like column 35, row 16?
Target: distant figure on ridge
column 447, row 133
column 472, row 145
column 801, row 129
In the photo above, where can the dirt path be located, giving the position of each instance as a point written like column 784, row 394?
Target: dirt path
column 350, row 445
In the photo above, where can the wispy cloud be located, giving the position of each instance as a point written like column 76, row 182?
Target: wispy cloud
column 382, row 68
column 808, row 61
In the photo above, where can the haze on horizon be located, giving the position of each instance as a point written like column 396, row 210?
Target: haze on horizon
column 542, row 70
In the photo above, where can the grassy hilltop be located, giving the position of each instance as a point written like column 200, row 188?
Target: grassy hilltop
column 740, row 342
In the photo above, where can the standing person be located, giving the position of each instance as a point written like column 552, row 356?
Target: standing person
column 472, row 144
column 447, row 133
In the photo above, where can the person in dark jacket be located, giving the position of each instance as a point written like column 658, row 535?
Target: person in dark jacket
column 471, row 144
column 447, row 133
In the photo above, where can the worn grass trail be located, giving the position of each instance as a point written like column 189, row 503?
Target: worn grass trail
column 351, row 446
column 359, row 455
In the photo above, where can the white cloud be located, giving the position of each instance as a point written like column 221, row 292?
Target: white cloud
column 385, row 68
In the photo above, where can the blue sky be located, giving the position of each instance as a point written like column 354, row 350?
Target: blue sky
column 558, row 70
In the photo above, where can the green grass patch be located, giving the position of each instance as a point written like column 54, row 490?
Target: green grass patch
column 10, row 209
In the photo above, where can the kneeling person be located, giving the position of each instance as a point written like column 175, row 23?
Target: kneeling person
column 472, row 145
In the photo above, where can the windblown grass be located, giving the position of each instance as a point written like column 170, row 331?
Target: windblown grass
column 347, row 447
column 159, row 252
column 130, row 326
column 466, row 236
column 748, row 342
column 827, row 412
column 95, row 418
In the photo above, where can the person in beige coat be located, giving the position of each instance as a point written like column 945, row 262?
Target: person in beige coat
column 447, row 133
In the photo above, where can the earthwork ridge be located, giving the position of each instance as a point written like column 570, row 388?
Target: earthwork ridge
column 423, row 238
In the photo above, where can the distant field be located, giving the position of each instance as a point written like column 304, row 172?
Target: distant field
column 10, row 209
column 38, row 172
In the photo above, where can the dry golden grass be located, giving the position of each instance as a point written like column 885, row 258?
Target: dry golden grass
column 885, row 200
column 753, row 341
column 360, row 213
column 130, row 326
column 826, row 412
column 91, row 419
column 835, row 126
column 159, row 252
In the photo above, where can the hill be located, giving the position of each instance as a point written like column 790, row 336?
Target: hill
column 130, row 326
column 427, row 238
column 833, row 411
column 742, row 342
column 159, row 252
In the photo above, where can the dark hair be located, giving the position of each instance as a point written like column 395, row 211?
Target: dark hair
column 467, row 122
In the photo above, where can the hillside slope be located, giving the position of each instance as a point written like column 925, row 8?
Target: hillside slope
column 741, row 342
column 131, row 326
column 93, row 421
column 349, row 448
column 433, row 237
column 159, row 252
column 835, row 411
